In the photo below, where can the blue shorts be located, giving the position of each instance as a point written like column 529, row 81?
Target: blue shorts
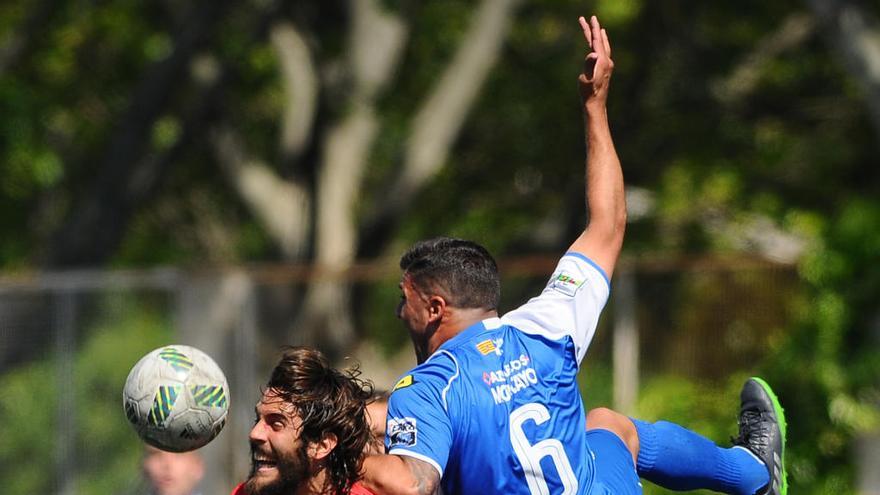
column 615, row 472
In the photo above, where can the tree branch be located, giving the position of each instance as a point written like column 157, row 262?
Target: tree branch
column 854, row 33
column 282, row 207
column 794, row 30
column 441, row 117
column 300, row 88
column 375, row 44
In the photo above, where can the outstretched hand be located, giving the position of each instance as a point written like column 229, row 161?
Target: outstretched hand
column 596, row 76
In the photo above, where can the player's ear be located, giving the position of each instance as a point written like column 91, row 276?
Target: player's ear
column 436, row 307
column 322, row 448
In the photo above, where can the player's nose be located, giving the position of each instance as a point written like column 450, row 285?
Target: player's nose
column 258, row 433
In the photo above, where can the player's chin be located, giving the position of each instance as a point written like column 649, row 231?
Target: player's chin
column 164, row 486
column 261, row 478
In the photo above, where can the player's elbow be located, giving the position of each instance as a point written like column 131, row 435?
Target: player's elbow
column 618, row 220
column 609, row 226
column 609, row 214
column 394, row 489
column 619, row 212
column 390, row 485
column 407, row 488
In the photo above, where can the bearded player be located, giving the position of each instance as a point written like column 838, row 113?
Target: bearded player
column 310, row 429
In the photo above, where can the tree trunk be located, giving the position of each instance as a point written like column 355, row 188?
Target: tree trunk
column 440, row 119
column 375, row 46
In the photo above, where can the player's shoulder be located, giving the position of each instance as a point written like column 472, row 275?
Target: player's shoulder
column 433, row 373
column 238, row 490
column 576, row 280
column 575, row 270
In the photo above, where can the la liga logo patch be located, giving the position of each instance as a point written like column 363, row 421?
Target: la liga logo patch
column 565, row 283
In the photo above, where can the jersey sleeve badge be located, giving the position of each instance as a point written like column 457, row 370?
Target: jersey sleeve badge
column 565, row 283
column 401, row 432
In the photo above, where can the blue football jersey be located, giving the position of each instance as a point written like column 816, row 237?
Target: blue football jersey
column 496, row 409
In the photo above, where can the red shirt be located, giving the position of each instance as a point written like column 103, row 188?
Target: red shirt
column 356, row 489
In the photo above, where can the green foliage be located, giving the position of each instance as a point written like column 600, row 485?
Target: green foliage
column 28, row 407
column 618, row 12
column 596, row 383
column 834, row 351
column 108, row 452
column 381, row 321
column 706, row 408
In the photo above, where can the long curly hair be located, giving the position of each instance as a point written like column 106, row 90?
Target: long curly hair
column 327, row 400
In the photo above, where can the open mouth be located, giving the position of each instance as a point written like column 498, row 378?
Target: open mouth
column 262, row 463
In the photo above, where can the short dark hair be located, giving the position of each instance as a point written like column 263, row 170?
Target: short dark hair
column 327, row 400
column 461, row 271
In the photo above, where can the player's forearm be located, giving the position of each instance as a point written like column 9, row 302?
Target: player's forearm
column 605, row 193
column 604, row 189
column 392, row 475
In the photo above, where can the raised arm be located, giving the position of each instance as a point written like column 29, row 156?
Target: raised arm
column 400, row 475
column 603, row 237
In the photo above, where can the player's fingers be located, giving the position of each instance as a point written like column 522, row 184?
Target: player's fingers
column 606, row 43
column 586, row 29
column 596, row 31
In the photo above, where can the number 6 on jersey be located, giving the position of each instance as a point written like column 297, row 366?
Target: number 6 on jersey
column 530, row 455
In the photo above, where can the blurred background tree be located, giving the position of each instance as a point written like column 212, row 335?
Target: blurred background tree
column 135, row 134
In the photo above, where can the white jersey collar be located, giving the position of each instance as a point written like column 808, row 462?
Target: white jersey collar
column 492, row 323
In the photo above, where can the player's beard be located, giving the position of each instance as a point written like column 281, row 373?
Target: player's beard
column 293, row 471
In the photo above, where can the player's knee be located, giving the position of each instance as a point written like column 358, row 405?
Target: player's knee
column 602, row 417
column 597, row 416
column 607, row 419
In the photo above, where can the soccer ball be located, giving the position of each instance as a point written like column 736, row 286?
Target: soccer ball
column 176, row 398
